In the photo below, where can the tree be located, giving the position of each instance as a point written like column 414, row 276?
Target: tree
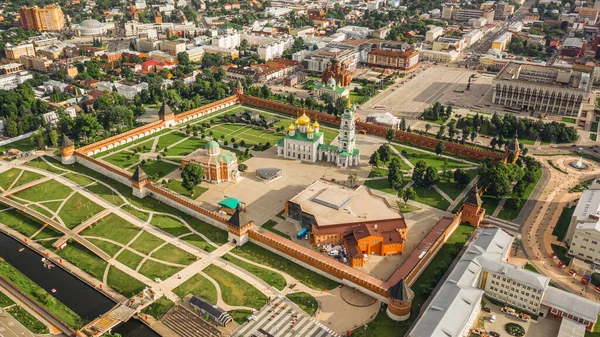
column 242, row 167
column 427, row 127
column 419, row 171
column 408, row 194
column 390, row 134
column 374, row 160
column 403, row 124
column 395, row 175
column 385, row 153
column 352, row 179
column 461, row 177
column 430, row 177
column 192, row 175
column 439, row 148
column 53, row 135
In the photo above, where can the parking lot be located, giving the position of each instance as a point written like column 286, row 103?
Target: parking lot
column 543, row 327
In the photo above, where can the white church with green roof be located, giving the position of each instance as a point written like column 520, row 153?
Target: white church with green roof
column 305, row 142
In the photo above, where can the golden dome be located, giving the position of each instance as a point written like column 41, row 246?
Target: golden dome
column 303, row 120
column 316, row 125
column 310, row 130
column 292, row 127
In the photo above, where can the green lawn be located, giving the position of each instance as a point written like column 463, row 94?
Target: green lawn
column 105, row 193
column 112, row 227
column 261, row 255
column 146, row 243
column 169, row 139
column 569, row 120
column 430, row 158
column 41, row 210
column 175, row 186
column 406, row 208
column 561, row 253
column 562, row 225
column 122, row 159
column 154, row 270
column 49, row 190
column 40, row 295
column 84, row 259
column 170, row 253
column 489, row 203
column 23, row 145
column 451, row 188
column 5, row 301
column 596, row 332
column 200, row 286
column 248, row 134
column 26, row 178
column 531, row 267
column 107, row 247
column 234, row 290
column 509, row 213
column 157, row 169
column 130, row 259
column 8, row 177
column 382, row 325
column 378, row 172
column 270, row 226
column 137, row 213
column 123, row 283
column 431, row 197
column 144, row 147
column 158, row 308
column 384, row 186
column 272, row 278
column 19, row 222
column 41, row 164
column 78, row 209
column 239, row 316
column 169, row 225
column 28, row 320
column 305, row 301
column 186, row 147
column 79, row 179
column 199, row 242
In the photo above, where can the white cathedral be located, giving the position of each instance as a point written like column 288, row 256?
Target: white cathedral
column 305, row 142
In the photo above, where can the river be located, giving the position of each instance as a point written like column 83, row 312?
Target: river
column 84, row 300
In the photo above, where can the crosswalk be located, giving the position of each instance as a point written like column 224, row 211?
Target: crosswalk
column 506, row 225
column 281, row 318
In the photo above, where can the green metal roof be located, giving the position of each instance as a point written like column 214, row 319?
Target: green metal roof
column 356, row 152
column 211, row 145
column 328, row 147
column 324, row 87
column 303, row 136
column 231, row 203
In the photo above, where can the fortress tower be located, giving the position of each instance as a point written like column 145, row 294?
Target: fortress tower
column 166, row 114
column 139, row 180
column 237, row 230
column 239, row 89
column 400, row 299
column 472, row 212
column 67, row 149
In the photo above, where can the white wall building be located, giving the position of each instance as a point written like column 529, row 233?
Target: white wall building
column 11, row 81
column 434, row 33
column 584, row 230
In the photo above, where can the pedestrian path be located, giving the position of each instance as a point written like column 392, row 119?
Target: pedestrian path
column 462, row 194
column 443, row 194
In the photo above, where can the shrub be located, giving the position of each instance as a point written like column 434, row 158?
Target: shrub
column 514, row 329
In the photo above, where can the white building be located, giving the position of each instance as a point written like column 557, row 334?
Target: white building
column 355, row 32
column 306, row 142
column 434, row 33
column 472, row 37
column 584, row 230
column 482, row 270
column 438, row 56
column 91, row 27
column 11, row 81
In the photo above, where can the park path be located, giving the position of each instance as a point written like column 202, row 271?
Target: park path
column 442, row 193
column 462, row 194
column 406, row 161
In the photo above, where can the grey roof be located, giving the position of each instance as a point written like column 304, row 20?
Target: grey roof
column 139, row 175
column 268, row 172
column 571, row 303
column 573, row 42
column 514, row 144
column 216, row 312
column 401, row 292
column 239, row 84
column 164, row 109
column 473, row 197
column 235, row 219
column 65, row 142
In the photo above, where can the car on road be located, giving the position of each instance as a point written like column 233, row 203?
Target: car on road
column 538, row 148
column 554, row 146
column 486, row 309
column 572, row 272
column 493, row 319
column 597, row 289
column 494, row 334
column 584, row 281
column 580, row 149
column 553, row 256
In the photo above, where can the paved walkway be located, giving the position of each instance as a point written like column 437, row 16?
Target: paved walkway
column 443, row 194
column 462, row 194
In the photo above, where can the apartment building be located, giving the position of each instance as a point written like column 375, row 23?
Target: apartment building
column 10, row 68
column 318, row 61
column 14, row 52
column 11, row 81
column 172, row 47
column 483, row 270
column 464, row 14
column 583, row 236
column 546, row 89
column 50, row 18
column 434, row 33
column 501, row 42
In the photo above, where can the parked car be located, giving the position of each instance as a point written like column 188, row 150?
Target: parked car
column 493, row 319
column 553, row 256
column 572, row 272
column 585, row 281
column 554, row 146
column 486, row 309
column 597, row 289
column 494, row 334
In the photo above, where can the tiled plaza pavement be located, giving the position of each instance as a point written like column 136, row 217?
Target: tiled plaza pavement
column 281, row 318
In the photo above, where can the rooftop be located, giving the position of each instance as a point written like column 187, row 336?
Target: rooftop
column 333, row 204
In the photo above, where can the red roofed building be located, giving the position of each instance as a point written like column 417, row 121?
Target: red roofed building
column 149, row 66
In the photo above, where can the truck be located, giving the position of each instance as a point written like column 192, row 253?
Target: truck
column 302, row 233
